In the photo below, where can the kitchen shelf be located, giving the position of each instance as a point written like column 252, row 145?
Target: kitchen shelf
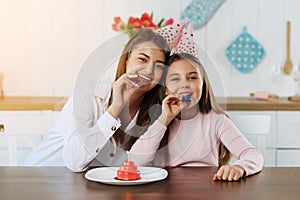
column 252, row 104
column 54, row 103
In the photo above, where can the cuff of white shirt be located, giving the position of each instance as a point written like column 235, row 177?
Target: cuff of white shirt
column 108, row 124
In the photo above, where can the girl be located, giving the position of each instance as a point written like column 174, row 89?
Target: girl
column 97, row 126
column 194, row 127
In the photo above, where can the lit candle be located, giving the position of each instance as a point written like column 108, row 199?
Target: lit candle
column 127, row 152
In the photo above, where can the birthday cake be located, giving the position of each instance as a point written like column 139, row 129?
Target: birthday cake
column 128, row 171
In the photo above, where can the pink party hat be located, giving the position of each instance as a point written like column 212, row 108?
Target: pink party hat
column 172, row 33
column 179, row 39
column 186, row 43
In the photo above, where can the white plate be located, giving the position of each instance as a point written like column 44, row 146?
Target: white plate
column 107, row 175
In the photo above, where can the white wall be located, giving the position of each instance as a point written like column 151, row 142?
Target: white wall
column 43, row 43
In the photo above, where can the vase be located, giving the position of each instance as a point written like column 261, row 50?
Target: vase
column 131, row 33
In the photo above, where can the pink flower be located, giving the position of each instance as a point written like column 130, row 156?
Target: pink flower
column 118, row 24
column 169, row 22
column 135, row 23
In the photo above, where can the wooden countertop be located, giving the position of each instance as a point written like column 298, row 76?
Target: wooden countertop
column 252, row 104
column 32, row 103
column 229, row 103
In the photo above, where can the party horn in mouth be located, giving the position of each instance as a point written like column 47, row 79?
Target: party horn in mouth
column 133, row 77
column 144, row 77
column 186, row 98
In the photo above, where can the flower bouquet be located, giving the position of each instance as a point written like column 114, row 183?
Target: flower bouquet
column 134, row 24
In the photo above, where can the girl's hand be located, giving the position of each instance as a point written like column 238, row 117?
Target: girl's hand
column 229, row 173
column 122, row 89
column 171, row 107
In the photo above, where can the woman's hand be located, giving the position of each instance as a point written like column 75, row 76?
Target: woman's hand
column 171, row 107
column 229, row 173
column 122, row 89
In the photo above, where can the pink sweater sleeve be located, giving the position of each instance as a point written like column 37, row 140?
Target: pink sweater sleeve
column 246, row 154
column 144, row 149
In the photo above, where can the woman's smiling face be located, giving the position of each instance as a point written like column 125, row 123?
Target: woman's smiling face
column 148, row 61
column 184, row 79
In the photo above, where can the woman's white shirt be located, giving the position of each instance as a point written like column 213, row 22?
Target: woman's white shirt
column 82, row 133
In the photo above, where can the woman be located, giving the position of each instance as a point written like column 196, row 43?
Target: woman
column 100, row 125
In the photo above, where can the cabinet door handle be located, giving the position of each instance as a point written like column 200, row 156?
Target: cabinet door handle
column 2, row 128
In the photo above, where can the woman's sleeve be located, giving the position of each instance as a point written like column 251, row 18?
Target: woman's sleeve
column 144, row 149
column 246, row 154
column 87, row 132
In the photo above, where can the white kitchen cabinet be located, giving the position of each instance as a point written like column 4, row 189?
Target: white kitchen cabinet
column 288, row 127
column 266, row 143
column 283, row 141
column 288, row 138
column 23, row 130
column 271, row 137
column 288, row 158
column 270, row 159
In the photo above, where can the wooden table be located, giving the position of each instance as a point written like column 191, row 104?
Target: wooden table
column 182, row 183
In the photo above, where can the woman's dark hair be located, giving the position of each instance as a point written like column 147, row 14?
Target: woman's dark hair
column 151, row 97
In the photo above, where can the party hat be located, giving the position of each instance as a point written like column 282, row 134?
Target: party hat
column 186, row 43
column 179, row 39
column 172, row 33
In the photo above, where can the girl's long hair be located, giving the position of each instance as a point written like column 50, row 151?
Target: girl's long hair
column 206, row 103
column 150, row 98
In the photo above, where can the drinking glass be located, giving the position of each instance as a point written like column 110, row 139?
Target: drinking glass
column 296, row 77
column 275, row 72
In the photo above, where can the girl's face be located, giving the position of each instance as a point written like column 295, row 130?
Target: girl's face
column 184, row 79
column 147, row 60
